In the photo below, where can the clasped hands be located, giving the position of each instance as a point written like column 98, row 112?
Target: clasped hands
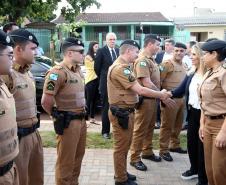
column 166, row 98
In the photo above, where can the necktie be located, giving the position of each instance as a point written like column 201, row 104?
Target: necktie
column 113, row 55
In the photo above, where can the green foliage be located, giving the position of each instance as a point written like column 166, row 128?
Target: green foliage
column 41, row 10
column 95, row 140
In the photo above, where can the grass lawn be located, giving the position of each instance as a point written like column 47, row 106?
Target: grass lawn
column 95, row 140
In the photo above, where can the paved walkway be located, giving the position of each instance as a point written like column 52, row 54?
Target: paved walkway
column 97, row 166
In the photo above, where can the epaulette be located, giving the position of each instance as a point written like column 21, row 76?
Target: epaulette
column 59, row 67
column 224, row 65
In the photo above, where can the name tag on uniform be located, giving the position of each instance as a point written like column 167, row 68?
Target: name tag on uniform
column 22, row 86
column 73, row 81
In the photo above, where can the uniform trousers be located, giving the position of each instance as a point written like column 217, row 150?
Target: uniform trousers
column 30, row 160
column 11, row 177
column 122, row 141
column 70, row 152
column 195, row 145
column 171, row 124
column 144, row 124
column 215, row 159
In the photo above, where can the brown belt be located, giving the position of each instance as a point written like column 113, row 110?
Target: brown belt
column 221, row 116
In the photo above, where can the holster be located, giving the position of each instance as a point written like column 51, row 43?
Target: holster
column 139, row 103
column 122, row 116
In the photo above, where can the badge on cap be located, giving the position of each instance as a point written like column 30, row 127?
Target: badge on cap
column 7, row 39
column 30, row 37
column 79, row 42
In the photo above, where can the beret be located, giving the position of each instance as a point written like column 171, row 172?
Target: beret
column 152, row 36
column 130, row 42
column 5, row 39
column 180, row 45
column 24, row 35
column 71, row 41
column 213, row 45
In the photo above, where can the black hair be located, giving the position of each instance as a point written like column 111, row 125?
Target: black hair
column 148, row 39
column 90, row 49
column 192, row 43
column 8, row 26
column 221, row 54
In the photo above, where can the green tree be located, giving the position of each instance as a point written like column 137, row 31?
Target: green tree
column 41, row 10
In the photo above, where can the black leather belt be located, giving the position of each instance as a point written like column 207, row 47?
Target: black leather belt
column 4, row 169
column 26, row 131
column 221, row 116
column 128, row 109
column 149, row 98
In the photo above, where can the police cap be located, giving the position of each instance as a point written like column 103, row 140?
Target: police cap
column 23, row 35
column 180, row 45
column 5, row 39
column 71, row 41
column 213, row 45
column 130, row 42
column 152, row 36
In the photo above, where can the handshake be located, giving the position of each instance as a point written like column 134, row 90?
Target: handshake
column 166, row 98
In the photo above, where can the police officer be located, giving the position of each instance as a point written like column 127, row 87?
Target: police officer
column 22, row 85
column 147, row 72
column 213, row 105
column 64, row 87
column 172, row 73
column 9, row 146
column 123, row 90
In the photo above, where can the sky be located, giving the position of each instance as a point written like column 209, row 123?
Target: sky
column 169, row 8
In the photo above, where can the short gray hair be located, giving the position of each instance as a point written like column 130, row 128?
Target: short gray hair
column 111, row 34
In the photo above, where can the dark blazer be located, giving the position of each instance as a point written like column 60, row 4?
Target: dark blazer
column 103, row 61
column 159, row 57
column 183, row 89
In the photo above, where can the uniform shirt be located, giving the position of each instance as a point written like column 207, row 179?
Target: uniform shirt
column 146, row 67
column 119, row 81
column 193, row 99
column 213, row 92
column 90, row 73
column 65, row 83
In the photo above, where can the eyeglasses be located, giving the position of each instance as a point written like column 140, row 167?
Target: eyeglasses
column 81, row 51
column 6, row 54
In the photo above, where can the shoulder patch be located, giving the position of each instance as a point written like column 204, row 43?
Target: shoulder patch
column 50, row 86
column 53, row 76
column 224, row 65
column 143, row 64
column 126, row 72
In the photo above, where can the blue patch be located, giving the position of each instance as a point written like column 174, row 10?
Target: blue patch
column 53, row 76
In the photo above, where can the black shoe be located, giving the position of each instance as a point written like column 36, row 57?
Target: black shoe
column 139, row 165
column 128, row 182
column 106, row 136
column 131, row 177
column 189, row 175
column 166, row 156
column 178, row 150
column 152, row 157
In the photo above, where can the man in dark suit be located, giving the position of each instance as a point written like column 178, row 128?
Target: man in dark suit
column 104, row 59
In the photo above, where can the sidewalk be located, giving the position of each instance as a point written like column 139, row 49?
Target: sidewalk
column 98, row 169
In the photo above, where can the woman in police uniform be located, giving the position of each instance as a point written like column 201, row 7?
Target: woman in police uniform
column 213, row 104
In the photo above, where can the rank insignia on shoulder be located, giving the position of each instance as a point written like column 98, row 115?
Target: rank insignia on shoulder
column 53, row 76
column 131, row 78
column 50, row 86
column 224, row 65
column 143, row 64
column 73, row 81
column 126, row 72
